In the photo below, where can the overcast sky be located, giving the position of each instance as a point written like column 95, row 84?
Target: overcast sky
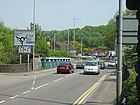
column 57, row 14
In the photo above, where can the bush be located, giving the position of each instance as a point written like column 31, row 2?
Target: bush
column 130, row 89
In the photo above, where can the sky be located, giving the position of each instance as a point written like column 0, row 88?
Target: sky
column 57, row 14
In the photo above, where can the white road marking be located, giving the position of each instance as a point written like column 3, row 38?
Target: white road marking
column 2, row 101
column 68, row 75
column 41, row 86
column 26, row 92
column 33, row 82
column 14, row 97
column 57, row 79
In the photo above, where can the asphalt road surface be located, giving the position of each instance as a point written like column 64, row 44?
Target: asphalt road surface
column 49, row 88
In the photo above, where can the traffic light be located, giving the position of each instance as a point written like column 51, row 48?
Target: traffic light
column 133, row 4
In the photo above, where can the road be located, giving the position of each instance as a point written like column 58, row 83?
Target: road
column 48, row 88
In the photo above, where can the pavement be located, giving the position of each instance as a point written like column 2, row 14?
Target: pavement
column 105, row 93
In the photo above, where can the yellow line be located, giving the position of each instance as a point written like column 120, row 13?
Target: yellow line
column 82, row 98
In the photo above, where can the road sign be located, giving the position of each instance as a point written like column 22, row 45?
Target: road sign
column 130, row 23
column 25, row 49
column 129, row 40
column 24, row 37
column 73, row 51
column 129, row 30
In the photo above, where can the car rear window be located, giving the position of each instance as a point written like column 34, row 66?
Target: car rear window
column 63, row 64
column 80, row 62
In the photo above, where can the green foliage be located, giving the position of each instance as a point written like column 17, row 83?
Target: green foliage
column 130, row 89
column 41, row 46
column 110, row 34
column 129, row 56
column 8, row 52
column 129, row 84
column 59, row 53
column 130, row 12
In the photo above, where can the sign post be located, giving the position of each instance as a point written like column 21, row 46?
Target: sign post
column 24, row 39
column 127, row 35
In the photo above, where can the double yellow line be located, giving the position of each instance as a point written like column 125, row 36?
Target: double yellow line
column 82, row 98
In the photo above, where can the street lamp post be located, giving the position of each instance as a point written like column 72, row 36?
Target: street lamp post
column 68, row 39
column 74, row 22
column 74, row 33
column 81, row 47
column 54, row 40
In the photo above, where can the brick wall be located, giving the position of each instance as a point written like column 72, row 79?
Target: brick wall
column 14, row 68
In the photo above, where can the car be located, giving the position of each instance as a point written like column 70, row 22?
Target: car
column 80, row 65
column 65, row 67
column 91, row 67
column 112, row 64
column 101, row 65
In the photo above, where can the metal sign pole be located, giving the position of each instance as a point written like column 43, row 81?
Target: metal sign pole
column 34, row 31
column 20, row 58
column 28, row 62
column 119, row 68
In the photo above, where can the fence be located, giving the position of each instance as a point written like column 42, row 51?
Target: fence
column 52, row 62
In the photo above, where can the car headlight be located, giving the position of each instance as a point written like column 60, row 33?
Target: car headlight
column 85, row 69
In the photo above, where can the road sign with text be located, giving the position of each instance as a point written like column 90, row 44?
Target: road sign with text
column 24, row 37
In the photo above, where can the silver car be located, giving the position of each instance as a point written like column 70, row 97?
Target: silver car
column 112, row 64
column 91, row 67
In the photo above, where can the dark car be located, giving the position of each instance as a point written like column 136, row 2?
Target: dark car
column 80, row 65
column 101, row 65
column 65, row 67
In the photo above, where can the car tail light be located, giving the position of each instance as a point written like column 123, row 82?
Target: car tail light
column 66, row 67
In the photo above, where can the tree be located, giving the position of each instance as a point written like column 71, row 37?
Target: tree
column 8, row 52
column 110, row 34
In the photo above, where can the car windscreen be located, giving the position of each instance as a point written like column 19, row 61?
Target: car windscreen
column 112, row 61
column 100, row 63
column 80, row 63
column 91, row 64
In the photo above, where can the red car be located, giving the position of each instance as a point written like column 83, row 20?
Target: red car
column 65, row 68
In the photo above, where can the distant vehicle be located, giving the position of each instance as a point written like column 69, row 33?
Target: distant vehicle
column 101, row 65
column 65, row 68
column 91, row 67
column 80, row 65
column 112, row 64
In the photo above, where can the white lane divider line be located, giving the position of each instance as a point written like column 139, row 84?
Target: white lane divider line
column 57, row 79
column 41, row 86
column 14, row 97
column 33, row 82
column 68, row 75
column 26, row 92
column 2, row 101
